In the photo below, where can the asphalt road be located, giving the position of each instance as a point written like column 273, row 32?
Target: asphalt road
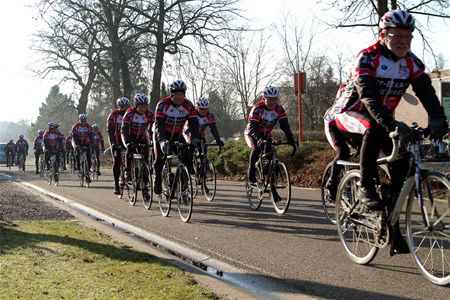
column 300, row 250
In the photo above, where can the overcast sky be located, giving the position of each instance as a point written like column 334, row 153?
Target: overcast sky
column 22, row 92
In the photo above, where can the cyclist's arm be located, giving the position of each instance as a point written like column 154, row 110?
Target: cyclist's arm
column 284, row 125
column 214, row 131
column 194, row 127
column 112, row 130
column 125, row 130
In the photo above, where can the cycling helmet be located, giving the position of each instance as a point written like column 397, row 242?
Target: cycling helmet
column 41, row 132
column 178, row 86
column 270, row 91
column 21, row 136
column 140, row 98
column 53, row 125
column 95, row 126
column 202, row 102
column 122, row 101
column 11, row 141
column 82, row 117
column 397, row 18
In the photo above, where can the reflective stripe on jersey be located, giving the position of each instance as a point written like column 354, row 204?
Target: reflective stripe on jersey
column 115, row 120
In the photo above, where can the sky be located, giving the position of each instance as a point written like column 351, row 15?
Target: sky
column 23, row 92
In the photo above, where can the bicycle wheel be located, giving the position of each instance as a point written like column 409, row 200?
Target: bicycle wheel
column 165, row 197
column 94, row 170
column 280, row 190
column 428, row 228
column 41, row 167
column 183, row 193
column 357, row 239
column 255, row 193
column 147, row 190
column 209, row 181
column 135, row 176
column 55, row 173
column 49, row 177
column 86, row 173
column 328, row 204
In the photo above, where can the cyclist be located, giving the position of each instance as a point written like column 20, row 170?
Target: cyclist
column 379, row 77
column 136, row 128
column 53, row 144
column 82, row 135
column 171, row 114
column 115, row 140
column 99, row 144
column 38, row 143
column 10, row 151
column 21, row 148
column 205, row 119
column 62, row 153
column 263, row 116
column 69, row 148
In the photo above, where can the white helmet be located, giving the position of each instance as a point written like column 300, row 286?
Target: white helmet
column 82, row 117
column 140, row 98
column 270, row 91
column 95, row 126
column 202, row 102
column 178, row 86
column 123, row 101
column 397, row 18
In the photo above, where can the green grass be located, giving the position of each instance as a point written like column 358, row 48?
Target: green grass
column 63, row 260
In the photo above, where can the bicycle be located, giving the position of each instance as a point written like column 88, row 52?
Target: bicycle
column 427, row 198
column 83, row 172
column 52, row 173
column 42, row 166
column 71, row 161
column 21, row 161
column 272, row 177
column 141, row 176
column 328, row 204
column 205, row 173
column 176, row 184
column 94, row 166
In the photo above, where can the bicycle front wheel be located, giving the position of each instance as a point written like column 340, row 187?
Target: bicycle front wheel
column 357, row 239
column 184, row 193
column 136, row 185
column 428, row 228
column 209, row 180
column 255, row 192
column 147, row 189
column 280, row 188
column 328, row 204
column 165, row 202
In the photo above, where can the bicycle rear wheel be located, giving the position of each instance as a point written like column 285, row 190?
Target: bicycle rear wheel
column 94, row 170
column 357, row 239
column 255, row 192
column 209, row 181
column 147, row 190
column 328, row 204
column 280, row 190
column 428, row 228
column 165, row 198
column 184, row 193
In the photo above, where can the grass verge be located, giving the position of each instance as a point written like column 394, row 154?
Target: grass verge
column 64, row 260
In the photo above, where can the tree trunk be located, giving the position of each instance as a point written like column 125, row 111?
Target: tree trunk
column 126, row 80
column 159, row 59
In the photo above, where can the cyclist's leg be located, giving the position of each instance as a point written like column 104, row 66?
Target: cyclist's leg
column 158, row 166
column 116, row 154
column 77, row 157
column 47, row 160
column 254, row 155
column 89, row 159
column 36, row 160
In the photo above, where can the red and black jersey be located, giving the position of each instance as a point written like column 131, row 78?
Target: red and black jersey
column 170, row 118
column 209, row 120
column 68, row 143
column 378, row 80
column 38, row 143
column 22, row 145
column 98, row 140
column 262, row 120
column 53, row 140
column 114, row 124
column 82, row 134
column 10, row 147
column 135, row 127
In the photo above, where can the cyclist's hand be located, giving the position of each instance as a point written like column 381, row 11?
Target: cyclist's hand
column 261, row 142
column 438, row 128
column 294, row 144
column 403, row 130
column 220, row 143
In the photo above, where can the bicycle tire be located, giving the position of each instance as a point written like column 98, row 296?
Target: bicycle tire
column 427, row 241
column 255, row 193
column 147, row 202
column 209, row 184
column 328, row 206
column 352, row 233
column 135, row 177
column 184, row 193
column 164, row 198
column 282, row 183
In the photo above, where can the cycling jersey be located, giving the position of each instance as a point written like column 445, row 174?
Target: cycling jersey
column 204, row 122
column 68, row 143
column 377, row 82
column 114, row 126
column 10, row 147
column 82, row 134
column 170, row 118
column 53, row 141
column 38, row 143
column 98, row 140
column 135, row 126
column 22, row 145
column 262, row 120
